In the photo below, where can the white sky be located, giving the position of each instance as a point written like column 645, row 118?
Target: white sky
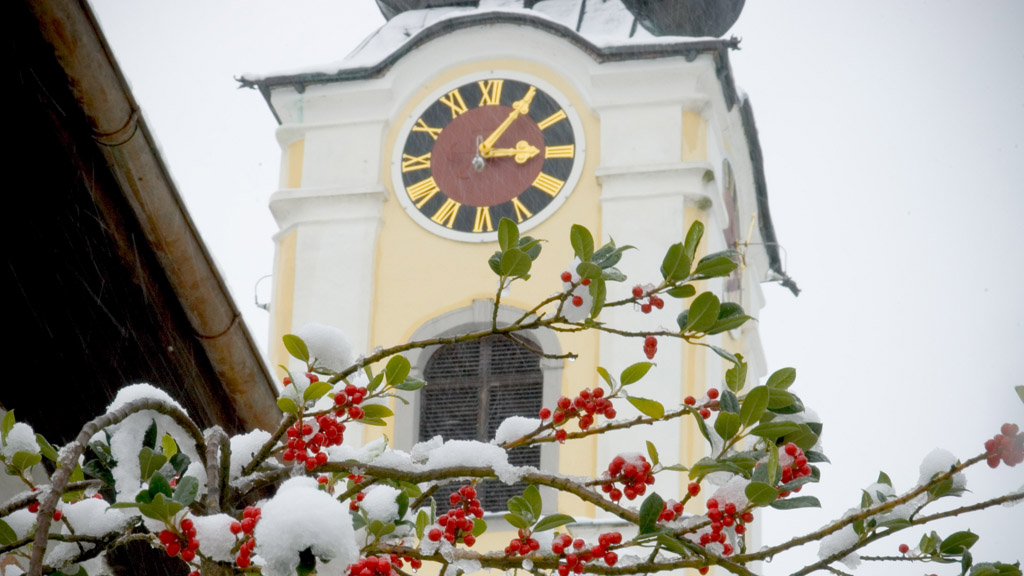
column 892, row 136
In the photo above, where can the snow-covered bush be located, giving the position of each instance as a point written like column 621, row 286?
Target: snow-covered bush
column 299, row 500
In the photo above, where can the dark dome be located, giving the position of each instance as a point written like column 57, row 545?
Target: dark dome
column 686, row 17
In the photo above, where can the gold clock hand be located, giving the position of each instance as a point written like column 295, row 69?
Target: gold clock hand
column 519, row 107
column 521, row 153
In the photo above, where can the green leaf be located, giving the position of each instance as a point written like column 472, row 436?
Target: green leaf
column 730, row 316
column 736, row 377
column 754, row 406
column 703, row 313
column 588, row 270
column 377, row 411
column 729, row 402
column 779, row 398
column 518, row 505
column 701, row 425
column 6, row 424
column 782, row 378
column 774, row 430
column 315, row 391
column 693, row 236
column 7, row 534
column 158, row 485
column 46, row 449
column 883, row 478
column 479, row 527
column 373, row 422
column 1020, row 392
column 495, row 263
column 727, row 424
column 723, row 353
column 814, row 456
column 180, row 463
column 634, row 373
column 676, row 468
column 599, row 292
column 797, row 502
column 958, row 542
column 375, row 381
column 684, row 291
column 403, row 503
column 996, row 569
column 717, row 264
column 517, row 521
column 168, row 446
column 515, row 263
column 649, row 512
column 77, row 475
column 582, row 242
column 149, row 439
column 397, row 369
column 160, row 508
column 422, row 521
column 553, row 521
column 296, row 347
column 287, row 405
column 706, row 466
column 24, row 460
column 804, row 437
column 649, row 408
column 613, row 275
column 773, row 470
column 410, row 384
column 508, row 234
column 531, row 246
column 652, row 451
column 760, row 494
column 675, row 266
column 186, row 490
column 603, row 372
column 150, row 462
column 532, row 497
column 675, row 545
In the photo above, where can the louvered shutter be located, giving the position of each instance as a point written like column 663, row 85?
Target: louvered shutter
column 471, row 388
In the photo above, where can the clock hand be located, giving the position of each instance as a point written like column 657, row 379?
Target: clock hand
column 521, row 153
column 519, row 107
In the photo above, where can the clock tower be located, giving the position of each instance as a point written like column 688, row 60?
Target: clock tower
column 398, row 163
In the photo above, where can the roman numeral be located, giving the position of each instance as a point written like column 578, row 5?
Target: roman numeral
column 490, row 92
column 483, row 219
column 421, row 126
column 548, row 184
column 454, row 101
column 446, row 214
column 567, row 151
column 421, row 192
column 521, row 211
column 410, row 163
column 557, row 116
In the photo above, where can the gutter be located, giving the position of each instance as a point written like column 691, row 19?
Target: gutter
column 131, row 153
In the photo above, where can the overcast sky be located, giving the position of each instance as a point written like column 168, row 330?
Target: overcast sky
column 892, row 136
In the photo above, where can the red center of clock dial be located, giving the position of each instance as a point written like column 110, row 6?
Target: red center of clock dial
column 502, row 179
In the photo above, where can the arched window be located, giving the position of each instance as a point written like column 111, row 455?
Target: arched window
column 471, row 388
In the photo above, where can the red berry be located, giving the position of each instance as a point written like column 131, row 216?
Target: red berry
column 645, row 308
column 247, row 525
column 566, row 276
column 712, row 503
column 469, row 539
column 173, row 549
column 585, row 282
column 689, row 400
column 904, row 548
column 703, row 570
column 611, row 558
column 657, row 302
column 188, row 555
column 166, row 537
column 434, row 535
column 242, row 560
column 564, row 403
column 186, row 524
column 560, row 435
column 693, row 488
column 545, row 413
column 577, row 301
column 651, row 342
column 33, row 507
column 638, row 291
column 705, row 413
column 57, row 515
column 713, row 393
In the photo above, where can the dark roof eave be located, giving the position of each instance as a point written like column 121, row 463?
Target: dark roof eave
column 689, row 49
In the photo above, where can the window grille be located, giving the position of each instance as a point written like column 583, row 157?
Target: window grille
column 471, row 388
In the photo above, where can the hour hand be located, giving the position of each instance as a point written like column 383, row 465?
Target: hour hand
column 521, row 153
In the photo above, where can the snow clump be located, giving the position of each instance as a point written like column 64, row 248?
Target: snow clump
column 514, row 428
column 940, row 461
column 21, row 438
column 328, row 346
column 214, row 533
column 244, row 447
column 840, row 540
column 126, row 438
column 381, row 503
column 89, row 517
column 298, row 517
column 456, row 453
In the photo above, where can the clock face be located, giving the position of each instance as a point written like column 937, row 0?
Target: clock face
column 487, row 147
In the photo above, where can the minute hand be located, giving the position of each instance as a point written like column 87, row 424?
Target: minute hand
column 519, row 107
